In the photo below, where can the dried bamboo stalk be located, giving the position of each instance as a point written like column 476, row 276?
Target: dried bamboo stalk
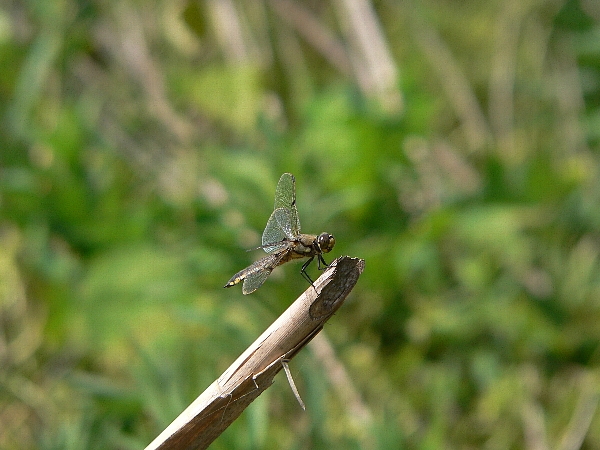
column 253, row 372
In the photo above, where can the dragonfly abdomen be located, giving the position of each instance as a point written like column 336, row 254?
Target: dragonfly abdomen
column 265, row 264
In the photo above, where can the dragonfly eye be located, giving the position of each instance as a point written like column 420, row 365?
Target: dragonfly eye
column 326, row 242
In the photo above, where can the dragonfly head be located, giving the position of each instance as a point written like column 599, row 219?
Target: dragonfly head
column 326, row 242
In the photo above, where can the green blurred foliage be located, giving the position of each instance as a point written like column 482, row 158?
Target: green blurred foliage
column 140, row 147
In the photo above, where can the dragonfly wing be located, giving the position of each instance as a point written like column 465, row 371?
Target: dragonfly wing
column 258, row 272
column 273, row 234
column 294, row 220
column 285, row 194
column 284, row 220
column 254, row 281
column 285, row 197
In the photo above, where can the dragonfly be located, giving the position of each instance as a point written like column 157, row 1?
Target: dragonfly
column 283, row 241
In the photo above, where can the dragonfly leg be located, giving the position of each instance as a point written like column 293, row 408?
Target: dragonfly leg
column 320, row 260
column 303, row 271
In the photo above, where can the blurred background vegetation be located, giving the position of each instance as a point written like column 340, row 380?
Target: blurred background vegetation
column 454, row 145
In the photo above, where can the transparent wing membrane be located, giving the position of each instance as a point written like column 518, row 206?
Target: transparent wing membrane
column 285, row 197
column 285, row 194
column 273, row 234
column 256, row 274
column 284, row 219
column 254, row 281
